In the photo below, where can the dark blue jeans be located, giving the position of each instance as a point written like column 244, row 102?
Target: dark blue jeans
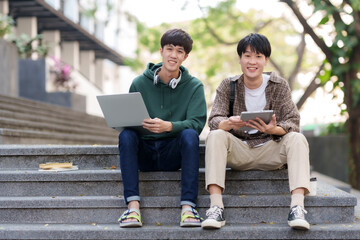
column 160, row 155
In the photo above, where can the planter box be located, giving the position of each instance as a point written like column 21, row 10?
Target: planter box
column 32, row 85
column 32, row 79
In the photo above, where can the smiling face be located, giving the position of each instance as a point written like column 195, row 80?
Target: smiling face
column 252, row 65
column 172, row 58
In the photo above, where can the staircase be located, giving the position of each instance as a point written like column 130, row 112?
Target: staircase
column 24, row 121
column 86, row 203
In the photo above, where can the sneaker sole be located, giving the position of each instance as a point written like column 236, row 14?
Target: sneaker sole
column 299, row 224
column 212, row 224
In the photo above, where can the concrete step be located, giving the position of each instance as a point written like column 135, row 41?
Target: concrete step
column 25, row 121
column 55, row 128
column 108, row 181
column 330, row 205
column 29, row 156
column 25, row 118
column 85, row 156
column 29, row 137
column 23, row 105
column 94, row 231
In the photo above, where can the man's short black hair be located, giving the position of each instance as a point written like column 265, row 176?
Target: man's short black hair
column 177, row 37
column 258, row 43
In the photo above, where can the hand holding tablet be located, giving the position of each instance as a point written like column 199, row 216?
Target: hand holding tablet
column 264, row 115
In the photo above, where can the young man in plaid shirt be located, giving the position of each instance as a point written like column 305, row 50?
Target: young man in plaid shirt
column 268, row 146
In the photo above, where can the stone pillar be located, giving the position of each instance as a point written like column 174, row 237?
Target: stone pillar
column 87, row 64
column 70, row 53
column 52, row 39
column 27, row 25
column 4, row 7
column 99, row 73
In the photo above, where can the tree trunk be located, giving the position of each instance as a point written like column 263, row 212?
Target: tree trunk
column 310, row 89
column 353, row 124
column 354, row 156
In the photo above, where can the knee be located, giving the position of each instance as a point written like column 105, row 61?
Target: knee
column 298, row 138
column 215, row 136
column 189, row 137
column 128, row 136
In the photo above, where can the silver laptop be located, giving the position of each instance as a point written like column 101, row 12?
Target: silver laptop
column 124, row 110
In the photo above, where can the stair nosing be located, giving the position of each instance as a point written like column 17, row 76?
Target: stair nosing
column 247, row 201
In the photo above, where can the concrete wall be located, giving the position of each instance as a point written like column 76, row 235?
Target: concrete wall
column 329, row 155
column 8, row 69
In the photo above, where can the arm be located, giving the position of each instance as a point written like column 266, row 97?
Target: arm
column 195, row 114
column 288, row 117
column 193, row 117
column 218, row 118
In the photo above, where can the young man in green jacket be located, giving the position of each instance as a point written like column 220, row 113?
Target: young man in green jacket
column 176, row 104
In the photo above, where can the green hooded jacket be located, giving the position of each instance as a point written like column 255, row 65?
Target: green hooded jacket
column 184, row 106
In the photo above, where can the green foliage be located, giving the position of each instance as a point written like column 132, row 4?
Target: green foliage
column 215, row 37
column 334, row 129
column 326, row 74
column 344, row 42
column 355, row 4
column 90, row 11
column 134, row 64
column 25, row 46
column 6, row 25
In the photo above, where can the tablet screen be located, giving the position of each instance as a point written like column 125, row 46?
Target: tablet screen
column 265, row 115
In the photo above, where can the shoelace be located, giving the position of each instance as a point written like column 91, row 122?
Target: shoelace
column 299, row 212
column 213, row 212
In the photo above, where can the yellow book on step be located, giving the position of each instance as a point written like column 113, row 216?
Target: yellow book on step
column 55, row 165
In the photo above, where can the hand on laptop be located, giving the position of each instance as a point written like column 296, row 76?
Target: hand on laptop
column 156, row 125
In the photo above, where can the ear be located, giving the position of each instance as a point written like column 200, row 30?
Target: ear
column 239, row 59
column 266, row 60
column 186, row 56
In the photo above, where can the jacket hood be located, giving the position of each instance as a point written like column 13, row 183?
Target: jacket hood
column 151, row 68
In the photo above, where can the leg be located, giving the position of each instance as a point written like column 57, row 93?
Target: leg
column 188, row 141
column 217, row 145
column 128, row 148
column 296, row 149
column 183, row 152
column 189, row 150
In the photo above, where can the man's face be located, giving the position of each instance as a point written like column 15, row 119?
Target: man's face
column 172, row 57
column 252, row 63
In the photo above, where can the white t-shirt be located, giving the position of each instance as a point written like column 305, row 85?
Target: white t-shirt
column 255, row 99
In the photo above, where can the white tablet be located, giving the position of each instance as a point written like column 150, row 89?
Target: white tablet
column 264, row 115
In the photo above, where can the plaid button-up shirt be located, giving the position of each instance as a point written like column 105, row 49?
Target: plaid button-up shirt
column 278, row 98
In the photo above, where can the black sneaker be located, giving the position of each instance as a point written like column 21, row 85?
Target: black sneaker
column 215, row 218
column 297, row 219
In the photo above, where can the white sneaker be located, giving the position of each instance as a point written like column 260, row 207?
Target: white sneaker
column 297, row 219
column 215, row 218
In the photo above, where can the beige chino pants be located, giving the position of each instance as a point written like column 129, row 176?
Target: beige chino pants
column 225, row 150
